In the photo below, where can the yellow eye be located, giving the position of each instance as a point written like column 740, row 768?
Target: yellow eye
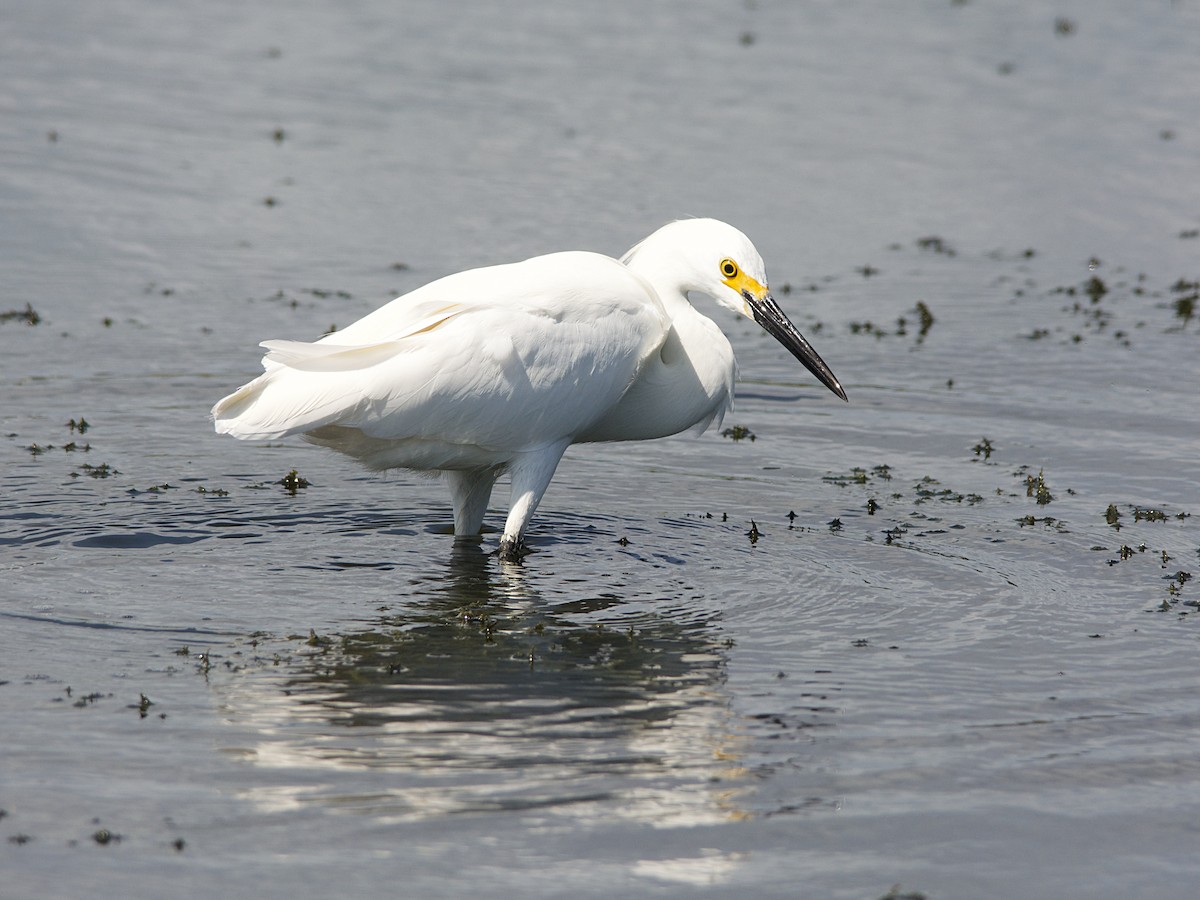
column 729, row 268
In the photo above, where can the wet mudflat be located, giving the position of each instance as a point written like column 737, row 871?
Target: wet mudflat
column 936, row 642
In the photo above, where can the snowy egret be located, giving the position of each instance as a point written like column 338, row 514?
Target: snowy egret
column 500, row 369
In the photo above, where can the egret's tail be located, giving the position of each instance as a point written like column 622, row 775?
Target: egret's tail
column 305, row 386
column 240, row 414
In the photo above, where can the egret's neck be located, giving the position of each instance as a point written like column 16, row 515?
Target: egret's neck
column 671, row 278
column 663, row 272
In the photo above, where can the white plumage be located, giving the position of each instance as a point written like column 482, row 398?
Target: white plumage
column 500, row 369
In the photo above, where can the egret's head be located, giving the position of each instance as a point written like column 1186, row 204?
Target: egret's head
column 720, row 261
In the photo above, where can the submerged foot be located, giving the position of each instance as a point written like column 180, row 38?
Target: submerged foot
column 512, row 549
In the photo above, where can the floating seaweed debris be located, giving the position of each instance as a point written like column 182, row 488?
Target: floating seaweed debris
column 868, row 327
column 925, row 320
column 859, row 475
column 739, row 433
column 1035, row 486
column 104, row 470
column 28, row 315
column 935, row 244
column 293, row 481
column 1184, row 306
column 1094, row 288
column 1047, row 521
column 324, row 293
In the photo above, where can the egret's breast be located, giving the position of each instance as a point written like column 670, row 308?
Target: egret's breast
column 678, row 388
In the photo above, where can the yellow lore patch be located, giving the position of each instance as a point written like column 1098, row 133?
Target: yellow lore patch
column 734, row 277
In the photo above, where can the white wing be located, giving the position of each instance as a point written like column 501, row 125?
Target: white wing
column 500, row 360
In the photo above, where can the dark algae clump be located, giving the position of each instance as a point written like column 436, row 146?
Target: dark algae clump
column 293, row 481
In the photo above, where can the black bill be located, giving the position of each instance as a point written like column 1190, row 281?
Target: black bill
column 768, row 314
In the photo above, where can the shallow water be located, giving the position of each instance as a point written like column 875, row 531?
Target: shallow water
column 916, row 674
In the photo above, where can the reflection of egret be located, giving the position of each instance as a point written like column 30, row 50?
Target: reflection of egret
column 500, row 369
column 482, row 698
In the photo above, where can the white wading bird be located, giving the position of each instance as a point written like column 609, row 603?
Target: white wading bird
column 500, row 369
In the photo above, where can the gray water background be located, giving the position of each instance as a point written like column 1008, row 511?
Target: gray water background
column 916, row 675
